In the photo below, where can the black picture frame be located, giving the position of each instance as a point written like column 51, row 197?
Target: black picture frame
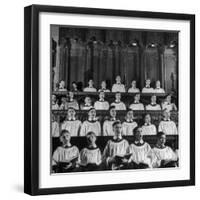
column 31, row 98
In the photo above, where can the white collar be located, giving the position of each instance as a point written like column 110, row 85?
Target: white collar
column 115, row 138
column 129, row 121
column 71, row 119
column 147, row 124
column 166, row 120
column 139, row 142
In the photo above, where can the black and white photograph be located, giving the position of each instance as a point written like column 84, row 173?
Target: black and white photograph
column 114, row 99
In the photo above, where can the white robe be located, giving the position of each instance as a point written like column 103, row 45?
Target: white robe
column 64, row 154
column 159, row 90
column 159, row 154
column 89, row 89
column 153, row 107
column 118, row 88
column 115, row 148
column 88, row 126
column 119, row 105
column 140, row 153
column 73, row 126
column 108, row 128
column 136, row 106
column 147, row 90
column 101, row 105
column 127, row 127
column 149, row 129
column 90, row 156
column 133, row 90
column 168, row 127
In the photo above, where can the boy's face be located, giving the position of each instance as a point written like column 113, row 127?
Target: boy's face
column 157, row 84
column 133, row 84
column 153, row 99
column 118, row 79
column 166, row 114
column 92, row 113
column 169, row 98
column 87, row 100
column 113, row 112
column 71, row 113
column 74, row 85
column 101, row 95
column 62, row 84
column 53, row 97
column 65, row 137
column 147, row 119
column 137, row 97
column 71, row 95
column 103, row 84
column 162, row 139
column 138, row 134
column 130, row 114
column 118, row 96
column 91, row 139
column 117, row 130
column 90, row 82
column 148, row 82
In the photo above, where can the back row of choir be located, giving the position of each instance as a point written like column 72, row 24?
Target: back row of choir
column 102, row 104
column 77, row 128
column 118, row 86
column 117, row 154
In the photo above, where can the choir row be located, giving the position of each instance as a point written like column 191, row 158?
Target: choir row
column 78, row 128
column 117, row 154
column 116, row 87
column 102, row 104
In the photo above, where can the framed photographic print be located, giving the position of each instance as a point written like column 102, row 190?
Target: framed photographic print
column 109, row 100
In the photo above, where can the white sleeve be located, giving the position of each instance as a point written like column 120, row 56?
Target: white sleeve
column 175, row 129
column 104, row 129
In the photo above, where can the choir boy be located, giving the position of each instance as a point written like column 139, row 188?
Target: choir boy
column 166, row 125
column 87, row 104
column 101, row 104
column 168, row 105
column 63, row 105
column 153, row 105
column 72, row 102
column 119, row 105
column 116, row 149
column 62, row 87
column 163, row 156
column 108, row 123
column 140, row 150
column 118, row 86
column 90, row 87
column 129, row 124
column 133, row 88
column 71, row 124
column 91, row 124
column 148, row 128
column 55, row 105
column 65, row 157
column 90, row 156
column 148, row 88
column 158, row 88
column 136, row 105
column 103, row 87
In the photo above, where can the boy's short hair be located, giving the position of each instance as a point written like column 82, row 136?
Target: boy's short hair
column 112, row 107
column 71, row 108
column 129, row 109
column 63, row 132
column 90, row 133
column 116, row 123
column 92, row 108
column 135, row 129
column 159, row 134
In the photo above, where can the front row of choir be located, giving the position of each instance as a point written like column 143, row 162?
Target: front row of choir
column 118, row 153
column 78, row 128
